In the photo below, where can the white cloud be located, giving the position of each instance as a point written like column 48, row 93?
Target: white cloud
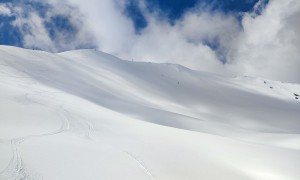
column 270, row 43
column 265, row 45
column 162, row 42
column 35, row 33
column 159, row 41
column 4, row 10
column 114, row 32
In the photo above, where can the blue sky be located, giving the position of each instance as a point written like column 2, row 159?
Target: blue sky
column 174, row 9
column 229, row 37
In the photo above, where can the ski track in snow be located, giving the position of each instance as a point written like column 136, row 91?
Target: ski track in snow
column 90, row 130
column 46, row 80
column 16, row 170
column 140, row 164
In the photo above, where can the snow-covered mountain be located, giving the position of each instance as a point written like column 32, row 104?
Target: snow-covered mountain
column 87, row 115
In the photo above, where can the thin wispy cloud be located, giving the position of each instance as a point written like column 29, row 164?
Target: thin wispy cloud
column 4, row 10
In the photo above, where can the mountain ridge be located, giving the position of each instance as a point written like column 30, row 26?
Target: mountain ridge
column 140, row 116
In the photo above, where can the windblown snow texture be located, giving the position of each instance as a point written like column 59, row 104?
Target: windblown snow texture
column 85, row 114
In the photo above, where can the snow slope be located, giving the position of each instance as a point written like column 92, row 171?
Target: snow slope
column 86, row 115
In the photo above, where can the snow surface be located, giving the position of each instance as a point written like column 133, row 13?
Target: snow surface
column 87, row 115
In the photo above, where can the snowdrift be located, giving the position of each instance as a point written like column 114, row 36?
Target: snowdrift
column 85, row 114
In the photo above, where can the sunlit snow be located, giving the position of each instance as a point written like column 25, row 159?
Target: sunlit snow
column 86, row 115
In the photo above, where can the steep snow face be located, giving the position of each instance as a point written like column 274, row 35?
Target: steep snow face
column 88, row 115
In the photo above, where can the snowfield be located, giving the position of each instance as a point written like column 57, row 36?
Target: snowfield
column 84, row 115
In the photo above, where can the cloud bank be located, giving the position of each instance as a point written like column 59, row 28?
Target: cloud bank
column 40, row 25
column 269, row 44
column 263, row 43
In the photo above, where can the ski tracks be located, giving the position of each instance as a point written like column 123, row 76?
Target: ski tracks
column 16, row 169
column 141, row 164
column 90, row 129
